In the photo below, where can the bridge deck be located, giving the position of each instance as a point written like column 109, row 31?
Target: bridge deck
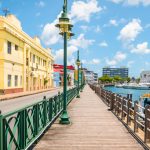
column 92, row 127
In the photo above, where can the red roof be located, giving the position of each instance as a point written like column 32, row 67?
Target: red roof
column 58, row 68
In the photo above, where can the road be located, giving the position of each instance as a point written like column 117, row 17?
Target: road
column 16, row 103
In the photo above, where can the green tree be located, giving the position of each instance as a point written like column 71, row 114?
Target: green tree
column 105, row 79
column 117, row 79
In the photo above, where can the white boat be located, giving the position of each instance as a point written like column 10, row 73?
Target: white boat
column 130, row 86
column 119, row 85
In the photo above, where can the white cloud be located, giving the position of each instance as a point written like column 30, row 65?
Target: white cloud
column 103, row 44
column 98, row 29
column 82, row 11
column 111, row 62
column 50, row 34
column 70, row 51
column 132, row 2
column 120, row 56
column 95, row 61
column 117, row 58
column 129, row 64
column 130, row 31
column 141, row 49
column 147, row 63
column 84, row 28
column 113, row 22
column 81, row 42
column 40, row 4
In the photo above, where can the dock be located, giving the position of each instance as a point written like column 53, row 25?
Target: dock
column 93, row 127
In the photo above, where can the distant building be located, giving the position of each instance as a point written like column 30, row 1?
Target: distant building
column 145, row 77
column 95, row 77
column 59, row 72
column 90, row 76
column 122, row 72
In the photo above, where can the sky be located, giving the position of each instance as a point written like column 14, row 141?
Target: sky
column 108, row 33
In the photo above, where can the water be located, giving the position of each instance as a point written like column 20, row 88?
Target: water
column 135, row 93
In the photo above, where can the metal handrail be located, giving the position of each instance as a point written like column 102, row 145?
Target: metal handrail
column 21, row 128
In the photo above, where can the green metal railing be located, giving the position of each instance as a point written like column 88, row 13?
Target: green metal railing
column 21, row 128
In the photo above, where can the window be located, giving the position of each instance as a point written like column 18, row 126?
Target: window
column 9, row 47
column 20, row 80
column 9, row 80
column 33, row 58
column 16, row 80
column 16, row 47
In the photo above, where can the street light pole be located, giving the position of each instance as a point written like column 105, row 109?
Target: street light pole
column 78, row 64
column 81, row 78
column 65, row 30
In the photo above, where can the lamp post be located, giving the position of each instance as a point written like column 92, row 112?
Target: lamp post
column 78, row 65
column 81, row 78
column 65, row 30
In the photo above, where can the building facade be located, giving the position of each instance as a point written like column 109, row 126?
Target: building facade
column 145, row 77
column 122, row 72
column 24, row 64
column 59, row 73
column 90, row 76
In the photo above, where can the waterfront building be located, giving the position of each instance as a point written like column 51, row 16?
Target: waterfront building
column 95, row 77
column 90, row 76
column 24, row 64
column 59, row 72
column 145, row 77
column 122, row 72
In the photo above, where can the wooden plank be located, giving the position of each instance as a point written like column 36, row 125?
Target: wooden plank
column 92, row 127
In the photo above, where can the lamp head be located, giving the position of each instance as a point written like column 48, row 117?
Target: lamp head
column 64, row 24
column 78, row 63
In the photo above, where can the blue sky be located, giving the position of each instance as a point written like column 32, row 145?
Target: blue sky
column 107, row 32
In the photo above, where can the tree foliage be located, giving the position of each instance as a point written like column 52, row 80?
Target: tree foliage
column 115, row 79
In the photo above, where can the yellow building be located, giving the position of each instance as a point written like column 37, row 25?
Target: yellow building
column 24, row 64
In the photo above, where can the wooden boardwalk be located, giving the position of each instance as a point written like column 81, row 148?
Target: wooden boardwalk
column 92, row 127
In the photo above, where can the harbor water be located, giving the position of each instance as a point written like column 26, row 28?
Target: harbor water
column 135, row 92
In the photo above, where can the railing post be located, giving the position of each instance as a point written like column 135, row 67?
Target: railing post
column 1, row 132
column 50, row 109
column 135, row 116
column 129, row 106
column 59, row 101
column 122, row 108
column 45, row 110
column 147, row 124
column 36, row 119
column 116, row 106
column 112, row 101
column 22, row 129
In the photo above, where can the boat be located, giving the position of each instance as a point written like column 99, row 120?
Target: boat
column 119, row 85
column 130, row 86
column 136, row 86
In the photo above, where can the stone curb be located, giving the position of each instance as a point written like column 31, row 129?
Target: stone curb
column 8, row 98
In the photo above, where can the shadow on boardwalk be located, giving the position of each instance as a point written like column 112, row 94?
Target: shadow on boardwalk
column 92, row 127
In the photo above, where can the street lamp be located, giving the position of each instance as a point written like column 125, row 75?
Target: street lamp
column 81, row 78
column 65, row 27
column 78, row 63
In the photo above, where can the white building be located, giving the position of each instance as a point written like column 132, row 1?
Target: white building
column 145, row 77
column 90, row 76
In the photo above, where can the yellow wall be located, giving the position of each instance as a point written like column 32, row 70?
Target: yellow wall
column 33, row 74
